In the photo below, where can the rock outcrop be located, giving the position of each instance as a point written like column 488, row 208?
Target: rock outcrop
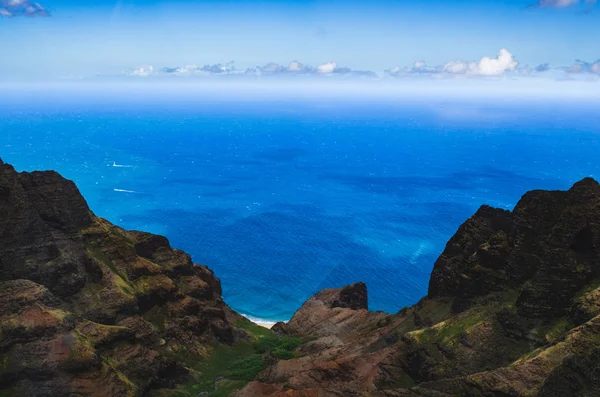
column 90, row 309
column 549, row 245
column 513, row 309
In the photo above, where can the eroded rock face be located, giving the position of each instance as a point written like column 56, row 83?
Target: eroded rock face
column 89, row 309
column 331, row 312
column 513, row 310
column 549, row 244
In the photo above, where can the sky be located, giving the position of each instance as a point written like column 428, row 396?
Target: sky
column 75, row 39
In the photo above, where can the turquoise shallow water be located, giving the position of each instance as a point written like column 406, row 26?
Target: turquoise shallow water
column 282, row 198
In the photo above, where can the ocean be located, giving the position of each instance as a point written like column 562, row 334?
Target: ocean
column 285, row 197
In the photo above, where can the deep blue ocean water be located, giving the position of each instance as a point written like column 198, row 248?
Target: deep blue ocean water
column 282, row 198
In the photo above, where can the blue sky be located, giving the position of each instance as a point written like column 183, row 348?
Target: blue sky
column 88, row 38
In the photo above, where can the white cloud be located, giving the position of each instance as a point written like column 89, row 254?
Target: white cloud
column 193, row 70
column 459, row 67
column 394, row 71
column 584, row 67
column 497, row 66
column 577, row 68
column 485, row 67
column 504, row 62
column 419, row 65
column 272, row 67
column 142, row 71
column 328, row 67
column 27, row 8
column 187, row 69
column 298, row 68
column 295, row 66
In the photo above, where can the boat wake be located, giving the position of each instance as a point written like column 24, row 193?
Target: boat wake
column 125, row 191
column 114, row 164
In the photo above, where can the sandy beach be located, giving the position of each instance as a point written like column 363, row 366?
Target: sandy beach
column 261, row 322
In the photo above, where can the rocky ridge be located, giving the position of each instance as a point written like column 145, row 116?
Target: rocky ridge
column 513, row 309
column 90, row 309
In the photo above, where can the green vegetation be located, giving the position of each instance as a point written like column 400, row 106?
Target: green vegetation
column 483, row 311
column 82, row 351
column 463, row 325
column 239, row 362
column 226, row 387
column 529, row 355
column 229, row 368
column 451, row 328
column 8, row 392
column 384, row 322
column 110, row 366
column 402, row 382
column 593, row 285
column 115, row 233
column 282, row 354
column 283, row 348
column 100, row 257
column 221, row 363
column 554, row 331
column 157, row 316
column 4, row 363
column 246, row 368
column 253, row 329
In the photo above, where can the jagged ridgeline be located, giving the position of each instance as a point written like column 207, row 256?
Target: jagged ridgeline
column 90, row 309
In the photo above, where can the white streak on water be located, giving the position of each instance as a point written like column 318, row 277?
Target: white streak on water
column 114, row 164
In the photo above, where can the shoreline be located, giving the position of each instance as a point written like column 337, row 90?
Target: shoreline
column 262, row 322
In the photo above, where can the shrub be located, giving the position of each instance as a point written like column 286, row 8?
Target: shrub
column 265, row 345
column 246, row 368
column 282, row 354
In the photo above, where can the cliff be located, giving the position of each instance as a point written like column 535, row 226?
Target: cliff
column 90, row 309
column 513, row 309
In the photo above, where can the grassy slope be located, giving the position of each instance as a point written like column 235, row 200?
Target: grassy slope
column 229, row 368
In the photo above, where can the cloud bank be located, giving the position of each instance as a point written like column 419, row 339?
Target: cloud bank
column 298, row 68
column 584, row 67
column 294, row 68
column 503, row 66
column 26, row 8
column 486, row 66
column 142, row 71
